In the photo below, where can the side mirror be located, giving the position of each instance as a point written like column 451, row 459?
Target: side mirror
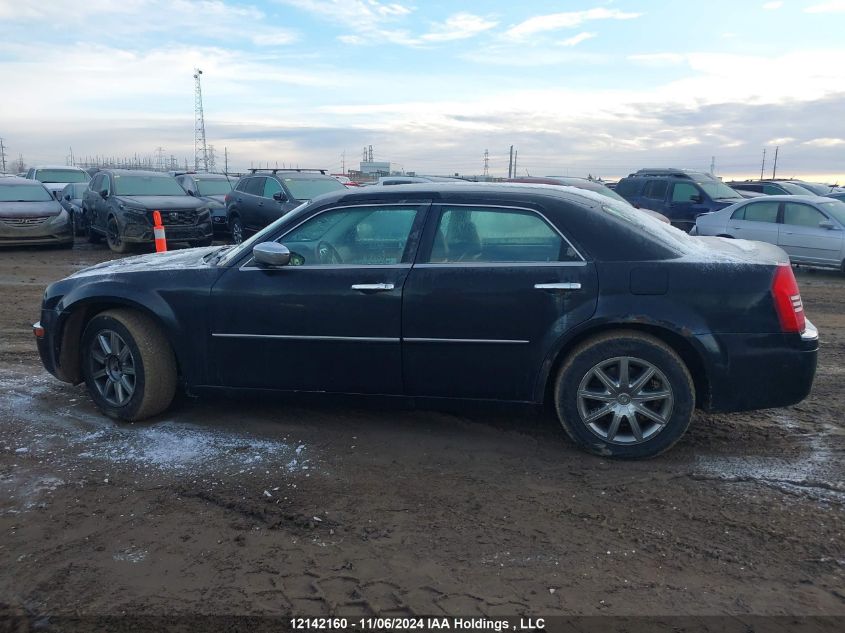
column 696, row 199
column 828, row 224
column 190, row 192
column 104, row 194
column 271, row 254
column 67, row 197
column 280, row 197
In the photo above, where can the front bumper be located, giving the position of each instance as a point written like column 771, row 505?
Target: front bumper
column 761, row 371
column 58, row 230
column 138, row 231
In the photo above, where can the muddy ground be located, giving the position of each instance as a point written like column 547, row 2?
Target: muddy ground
column 239, row 507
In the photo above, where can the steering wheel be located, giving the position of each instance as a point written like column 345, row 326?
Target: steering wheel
column 327, row 254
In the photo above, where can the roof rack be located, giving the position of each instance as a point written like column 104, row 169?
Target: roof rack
column 662, row 171
column 253, row 170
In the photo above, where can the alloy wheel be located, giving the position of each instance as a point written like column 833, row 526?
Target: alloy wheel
column 625, row 400
column 112, row 367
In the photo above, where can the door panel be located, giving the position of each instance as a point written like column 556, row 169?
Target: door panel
column 804, row 240
column 481, row 329
column 756, row 221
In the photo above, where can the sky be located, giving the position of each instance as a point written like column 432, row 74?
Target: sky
column 578, row 87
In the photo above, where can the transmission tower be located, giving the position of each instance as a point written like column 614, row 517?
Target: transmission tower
column 200, row 149
column 2, row 156
column 486, row 163
column 212, row 159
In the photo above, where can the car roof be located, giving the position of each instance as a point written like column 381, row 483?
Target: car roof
column 11, row 179
column 136, row 172
column 779, row 198
column 66, row 167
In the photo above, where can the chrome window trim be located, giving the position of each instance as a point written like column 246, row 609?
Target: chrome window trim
column 500, row 264
column 442, row 205
column 246, row 267
column 466, row 340
column 297, row 337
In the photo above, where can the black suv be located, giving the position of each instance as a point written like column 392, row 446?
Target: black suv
column 264, row 196
column 771, row 187
column 678, row 194
column 119, row 205
column 211, row 189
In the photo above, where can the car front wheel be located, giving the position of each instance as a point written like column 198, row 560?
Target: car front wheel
column 114, row 238
column 128, row 365
column 236, row 228
column 624, row 394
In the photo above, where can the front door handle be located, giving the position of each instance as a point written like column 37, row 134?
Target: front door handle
column 372, row 287
column 566, row 285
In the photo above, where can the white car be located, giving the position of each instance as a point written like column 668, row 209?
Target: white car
column 55, row 177
column 811, row 229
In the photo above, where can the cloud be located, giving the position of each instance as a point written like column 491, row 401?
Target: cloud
column 658, row 59
column 566, row 20
column 577, row 39
column 825, row 142
column 457, row 27
column 773, row 6
column 833, row 6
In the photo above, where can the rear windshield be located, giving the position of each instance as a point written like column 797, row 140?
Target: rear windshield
column 795, row 190
column 815, row 187
column 310, row 188
column 215, row 187
column 718, row 190
column 834, row 209
column 24, row 193
column 147, row 186
column 61, row 175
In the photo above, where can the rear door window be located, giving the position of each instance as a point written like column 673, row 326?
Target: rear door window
column 761, row 212
column 482, row 234
column 655, row 189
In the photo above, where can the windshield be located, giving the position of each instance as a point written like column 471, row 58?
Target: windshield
column 310, row 188
column 24, row 193
column 216, row 187
column 834, row 209
column 815, row 187
column 147, row 186
column 61, row 175
column 259, row 237
column 718, row 190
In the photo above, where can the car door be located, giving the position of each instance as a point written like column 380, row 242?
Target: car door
column 248, row 200
column 804, row 240
column 270, row 209
column 496, row 287
column 685, row 203
column 101, row 204
column 329, row 321
column 756, row 221
column 654, row 195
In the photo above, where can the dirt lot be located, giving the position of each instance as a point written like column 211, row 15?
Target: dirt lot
column 276, row 507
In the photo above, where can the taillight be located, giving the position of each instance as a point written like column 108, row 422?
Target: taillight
column 787, row 297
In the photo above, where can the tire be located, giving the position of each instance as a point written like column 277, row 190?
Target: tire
column 91, row 234
column 113, row 238
column 236, row 229
column 637, row 435
column 149, row 356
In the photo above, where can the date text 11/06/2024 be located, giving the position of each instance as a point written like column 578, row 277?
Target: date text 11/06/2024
column 418, row 624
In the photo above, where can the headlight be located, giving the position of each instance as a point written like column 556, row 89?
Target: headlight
column 125, row 207
column 61, row 218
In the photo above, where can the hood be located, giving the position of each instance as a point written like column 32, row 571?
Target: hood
column 29, row 209
column 182, row 259
column 214, row 201
column 152, row 203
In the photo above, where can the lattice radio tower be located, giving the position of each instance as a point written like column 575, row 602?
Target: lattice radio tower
column 200, row 148
column 486, row 163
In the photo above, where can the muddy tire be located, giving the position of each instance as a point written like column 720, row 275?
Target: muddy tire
column 128, row 365
column 624, row 394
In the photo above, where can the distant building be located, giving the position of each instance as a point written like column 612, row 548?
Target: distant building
column 375, row 168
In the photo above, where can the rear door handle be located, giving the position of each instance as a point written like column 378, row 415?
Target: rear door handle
column 372, row 287
column 566, row 285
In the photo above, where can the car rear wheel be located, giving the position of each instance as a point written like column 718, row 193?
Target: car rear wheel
column 113, row 237
column 236, row 228
column 128, row 365
column 624, row 394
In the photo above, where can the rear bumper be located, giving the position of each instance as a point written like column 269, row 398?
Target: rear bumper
column 761, row 371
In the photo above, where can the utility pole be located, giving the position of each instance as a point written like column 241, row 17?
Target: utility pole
column 775, row 167
column 225, row 160
column 712, row 165
column 515, row 156
column 2, row 156
column 763, row 166
column 200, row 149
column 343, row 162
column 510, row 164
column 486, row 163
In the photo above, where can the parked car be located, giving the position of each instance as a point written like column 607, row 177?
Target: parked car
column 678, row 194
column 582, row 183
column 811, row 229
column 55, row 177
column 71, row 200
column 29, row 214
column 119, row 205
column 265, row 195
column 211, row 189
column 771, row 187
column 479, row 291
column 387, row 181
column 818, row 188
column 748, row 194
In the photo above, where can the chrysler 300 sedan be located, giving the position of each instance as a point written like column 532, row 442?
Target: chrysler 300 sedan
column 521, row 293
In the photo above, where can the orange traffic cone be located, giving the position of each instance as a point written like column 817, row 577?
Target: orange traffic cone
column 158, row 231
